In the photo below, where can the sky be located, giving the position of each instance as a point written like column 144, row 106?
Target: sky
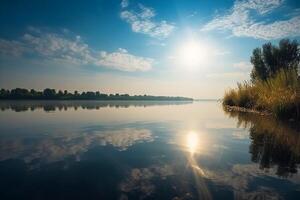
column 189, row 48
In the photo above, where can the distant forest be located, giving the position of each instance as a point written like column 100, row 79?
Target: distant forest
column 51, row 94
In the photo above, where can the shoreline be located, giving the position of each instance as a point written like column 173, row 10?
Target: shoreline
column 97, row 100
column 246, row 110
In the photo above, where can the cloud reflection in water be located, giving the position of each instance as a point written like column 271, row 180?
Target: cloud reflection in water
column 55, row 147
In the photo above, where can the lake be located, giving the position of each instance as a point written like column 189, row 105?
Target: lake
column 144, row 150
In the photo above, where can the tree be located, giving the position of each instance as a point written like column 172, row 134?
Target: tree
column 90, row 95
column 259, row 70
column 19, row 93
column 289, row 55
column 4, row 93
column 49, row 93
column 32, row 92
column 269, row 59
column 60, row 93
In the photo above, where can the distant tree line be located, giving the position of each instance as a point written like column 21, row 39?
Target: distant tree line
column 52, row 94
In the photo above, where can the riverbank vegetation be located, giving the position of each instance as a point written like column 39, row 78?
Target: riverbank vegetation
column 51, row 94
column 275, row 84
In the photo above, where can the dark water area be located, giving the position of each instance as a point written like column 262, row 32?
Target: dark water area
column 144, row 150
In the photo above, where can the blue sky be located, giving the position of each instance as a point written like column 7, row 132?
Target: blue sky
column 188, row 48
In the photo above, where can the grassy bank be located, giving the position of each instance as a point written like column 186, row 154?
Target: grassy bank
column 279, row 95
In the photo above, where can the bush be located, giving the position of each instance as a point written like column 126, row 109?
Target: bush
column 230, row 98
column 279, row 95
column 244, row 96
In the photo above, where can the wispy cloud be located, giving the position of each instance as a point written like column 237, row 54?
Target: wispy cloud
column 241, row 21
column 142, row 180
column 55, row 147
column 58, row 47
column 70, row 49
column 142, row 22
column 125, row 138
column 124, row 61
column 51, row 46
column 124, row 3
column 11, row 48
column 239, row 178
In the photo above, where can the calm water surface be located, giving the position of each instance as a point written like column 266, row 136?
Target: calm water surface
column 144, row 150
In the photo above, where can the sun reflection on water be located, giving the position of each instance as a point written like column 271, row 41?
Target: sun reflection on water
column 192, row 141
column 193, row 146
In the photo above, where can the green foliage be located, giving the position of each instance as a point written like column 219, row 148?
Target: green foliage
column 259, row 71
column 269, row 59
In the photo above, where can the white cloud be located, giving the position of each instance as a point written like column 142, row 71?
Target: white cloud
column 279, row 29
column 124, row 61
column 51, row 46
column 240, row 21
column 63, row 47
column 59, row 47
column 124, row 3
column 142, row 22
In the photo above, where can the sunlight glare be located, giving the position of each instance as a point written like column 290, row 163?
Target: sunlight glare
column 192, row 142
column 192, row 54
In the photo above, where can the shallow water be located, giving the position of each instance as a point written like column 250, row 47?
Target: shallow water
column 144, row 150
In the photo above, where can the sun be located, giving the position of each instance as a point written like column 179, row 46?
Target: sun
column 192, row 54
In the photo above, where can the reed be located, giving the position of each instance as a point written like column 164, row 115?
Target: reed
column 279, row 94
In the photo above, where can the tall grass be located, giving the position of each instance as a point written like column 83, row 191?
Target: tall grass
column 279, row 95
column 243, row 96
